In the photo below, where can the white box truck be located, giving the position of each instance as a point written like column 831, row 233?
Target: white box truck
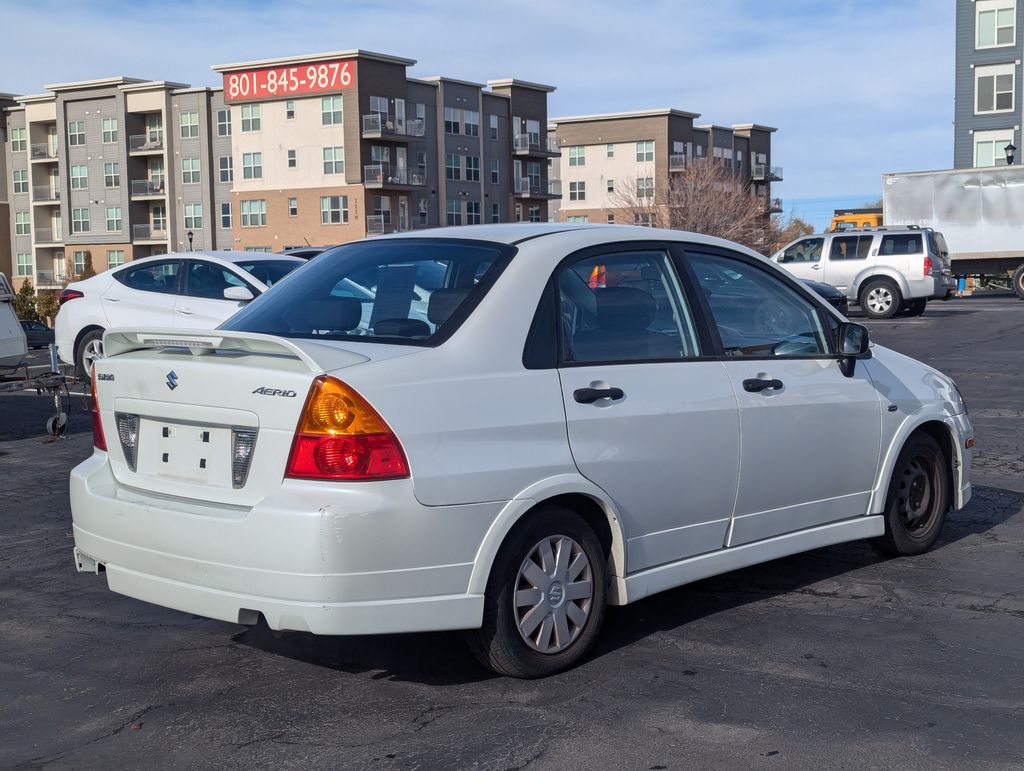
column 12, row 336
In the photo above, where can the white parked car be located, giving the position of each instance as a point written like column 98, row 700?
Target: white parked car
column 186, row 290
column 586, row 416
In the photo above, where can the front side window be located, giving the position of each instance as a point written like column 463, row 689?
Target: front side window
column 412, row 291
column 901, row 244
column 993, row 88
column 755, row 312
column 209, row 281
column 850, row 247
column 995, row 23
column 805, row 250
column 624, row 306
column 161, row 277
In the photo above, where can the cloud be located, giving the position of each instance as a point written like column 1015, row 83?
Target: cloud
column 855, row 88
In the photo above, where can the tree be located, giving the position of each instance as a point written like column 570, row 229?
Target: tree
column 88, row 271
column 47, row 304
column 25, row 302
column 786, row 231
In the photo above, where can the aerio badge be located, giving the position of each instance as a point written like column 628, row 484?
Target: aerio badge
column 172, row 380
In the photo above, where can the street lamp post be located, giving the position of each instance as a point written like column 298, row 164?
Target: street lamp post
column 1010, row 150
column 189, row 234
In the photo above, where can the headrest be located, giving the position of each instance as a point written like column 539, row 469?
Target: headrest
column 443, row 303
column 624, row 308
column 401, row 328
column 335, row 314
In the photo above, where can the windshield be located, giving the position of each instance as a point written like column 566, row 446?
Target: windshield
column 408, row 291
column 268, row 271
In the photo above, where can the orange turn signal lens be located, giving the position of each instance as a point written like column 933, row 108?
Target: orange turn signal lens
column 334, row 408
column 969, row 442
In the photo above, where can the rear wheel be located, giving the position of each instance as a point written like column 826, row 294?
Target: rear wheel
column 880, row 298
column 545, row 597
column 90, row 348
column 918, row 498
column 1018, row 282
column 913, row 307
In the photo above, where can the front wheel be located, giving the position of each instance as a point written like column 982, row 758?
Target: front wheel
column 880, row 298
column 918, row 498
column 1018, row 282
column 545, row 597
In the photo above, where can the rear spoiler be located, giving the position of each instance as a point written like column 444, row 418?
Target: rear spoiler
column 203, row 342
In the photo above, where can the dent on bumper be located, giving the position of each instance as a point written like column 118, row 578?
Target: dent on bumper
column 312, row 558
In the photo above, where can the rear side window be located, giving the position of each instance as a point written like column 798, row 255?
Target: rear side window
column 161, row 277
column 411, row 291
column 850, row 247
column 268, row 271
column 908, row 243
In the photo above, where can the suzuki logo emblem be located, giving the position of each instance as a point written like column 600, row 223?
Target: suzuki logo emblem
column 172, row 380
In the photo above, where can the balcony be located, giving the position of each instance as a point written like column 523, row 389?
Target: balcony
column 382, row 175
column 148, row 188
column 530, row 144
column 525, row 187
column 149, row 233
column 677, row 162
column 761, row 172
column 377, row 126
column 378, row 224
column 141, row 144
column 44, row 151
column 45, row 194
column 47, row 279
column 49, row 236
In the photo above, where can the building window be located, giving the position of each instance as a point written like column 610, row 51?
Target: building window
column 79, row 220
column 293, row 207
column 645, row 151
column 452, row 124
column 158, row 216
column 494, row 171
column 113, row 219
column 189, row 170
column 382, row 208
column 330, row 110
column 645, row 187
column 577, row 191
column 334, row 160
column 251, row 117
column 993, row 88
column 254, row 213
column 259, row 249
column 379, row 107
column 22, row 223
column 109, row 131
column 252, row 165
column 224, row 123
column 452, row 166
column 493, row 120
column 76, row 132
column 334, row 209
column 20, row 181
column 292, row 162
column 519, row 212
column 471, row 121
column 472, row 212
column 611, row 219
column 78, row 261
column 495, row 212
column 577, row 218
column 610, row 151
column 79, row 177
column 996, row 23
column 289, row 110
column 18, row 139
column 421, row 163
column 533, row 214
column 112, row 175
column 610, row 186
column 453, row 212
column 115, row 257
column 227, row 169
column 225, row 216
column 990, row 147
column 577, row 156
column 24, row 264
column 189, row 125
column 644, row 219
column 472, row 168
column 154, row 129
column 156, row 173
column 193, row 216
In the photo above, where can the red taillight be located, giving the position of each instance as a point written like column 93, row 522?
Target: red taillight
column 927, row 265
column 340, row 436
column 69, row 294
column 98, row 440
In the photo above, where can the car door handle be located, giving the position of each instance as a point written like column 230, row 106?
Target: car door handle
column 185, row 311
column 754, row 385
column 591, row 395
column 816, row 266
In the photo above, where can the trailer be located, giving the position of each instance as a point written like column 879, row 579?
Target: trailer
column 979, row 211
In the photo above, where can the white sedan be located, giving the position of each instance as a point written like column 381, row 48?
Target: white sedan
column 182, row 289
column 583, row 416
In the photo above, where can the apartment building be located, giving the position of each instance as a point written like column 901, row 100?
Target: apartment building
column 989, row 50
column 106, row 171
column 334, row 147
column 611, row 163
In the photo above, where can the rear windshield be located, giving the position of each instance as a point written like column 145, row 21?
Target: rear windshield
column 268, row 271
column 408, row 291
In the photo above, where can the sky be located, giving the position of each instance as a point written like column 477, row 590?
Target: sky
column 856, row 88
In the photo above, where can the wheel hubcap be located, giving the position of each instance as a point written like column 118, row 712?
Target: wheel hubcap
column 879, row 300
column 915, row 496
column 93, row 350
column 554, row 594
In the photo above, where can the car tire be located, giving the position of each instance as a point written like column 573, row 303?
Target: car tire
column 541, row 615
column 918, row 498
column 880, row 298
column 90, row 347
column 1018, row 282
column 913, row 308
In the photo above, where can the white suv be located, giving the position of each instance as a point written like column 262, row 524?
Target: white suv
column 886, row 271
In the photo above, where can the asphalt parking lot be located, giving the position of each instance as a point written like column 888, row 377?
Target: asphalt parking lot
column 834, row 658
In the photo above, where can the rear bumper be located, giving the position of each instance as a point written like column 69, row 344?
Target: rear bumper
column 318, row 557
column 931, row 287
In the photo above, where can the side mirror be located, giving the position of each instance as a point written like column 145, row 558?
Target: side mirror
column 853, row 344
column 239, row 293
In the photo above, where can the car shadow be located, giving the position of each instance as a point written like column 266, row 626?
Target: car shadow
column 442, row 658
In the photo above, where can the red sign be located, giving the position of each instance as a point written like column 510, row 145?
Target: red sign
column 280, row 82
